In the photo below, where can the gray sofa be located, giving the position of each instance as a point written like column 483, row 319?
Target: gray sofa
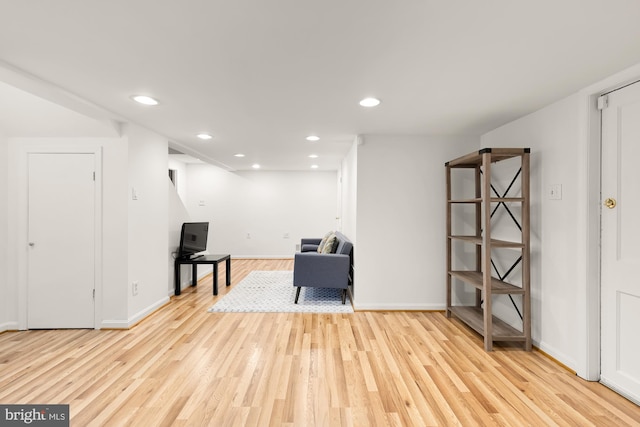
column 324, row 270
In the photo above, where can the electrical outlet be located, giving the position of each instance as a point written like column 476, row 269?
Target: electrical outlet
column 134, row 288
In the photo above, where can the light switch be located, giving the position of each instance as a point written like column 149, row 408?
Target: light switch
column 555, row 192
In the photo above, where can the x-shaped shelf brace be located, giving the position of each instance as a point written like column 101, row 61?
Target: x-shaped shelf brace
column 505, row 275
column 502, row 277
column 503, row 196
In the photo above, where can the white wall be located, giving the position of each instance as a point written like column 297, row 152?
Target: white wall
column 148, row 221
column 349, row 193
column 400, row 251
column 263, row 204
column 14, row 265
column 115, row 250
column 553, row 134
column 4, row 179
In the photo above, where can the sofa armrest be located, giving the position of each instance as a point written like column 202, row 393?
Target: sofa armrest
column 321, row 270
column 309, row 244
column 310, row 241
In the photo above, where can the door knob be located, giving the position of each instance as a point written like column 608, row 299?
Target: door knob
column 610, row 203
column 32, row 244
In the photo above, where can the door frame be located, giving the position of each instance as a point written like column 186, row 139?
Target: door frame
column 53, row 147
column 590, row 167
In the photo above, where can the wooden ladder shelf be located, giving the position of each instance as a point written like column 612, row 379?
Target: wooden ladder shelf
column 484, row 276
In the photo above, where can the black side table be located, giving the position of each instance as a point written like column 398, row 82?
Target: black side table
column 204, row 259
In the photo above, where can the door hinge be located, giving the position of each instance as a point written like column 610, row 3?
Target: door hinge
column 603, row 102
column 94, row 294
column 94, row 176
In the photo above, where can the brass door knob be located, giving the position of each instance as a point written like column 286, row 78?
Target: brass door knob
column 610, row 203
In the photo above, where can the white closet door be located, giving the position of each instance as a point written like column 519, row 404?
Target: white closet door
column 61, row 260
column 620, row 292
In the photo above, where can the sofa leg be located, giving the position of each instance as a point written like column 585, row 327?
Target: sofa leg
column 344, row 296
column 297, row 294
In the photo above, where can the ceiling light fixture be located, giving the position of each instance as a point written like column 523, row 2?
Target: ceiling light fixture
column 313, row 156
column 314, row 166
column 146, row 100
column 370, row 102
column 255, row 166
column 313, row 138
column 238, row 155
column 204, row 136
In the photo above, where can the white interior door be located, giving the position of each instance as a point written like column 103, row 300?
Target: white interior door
column 61, row 259
column 620, row 282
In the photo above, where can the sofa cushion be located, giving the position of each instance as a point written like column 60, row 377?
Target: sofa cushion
column 324, row 241
column 330, row 245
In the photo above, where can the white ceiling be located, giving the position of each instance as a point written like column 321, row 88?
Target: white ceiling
column 262, row 75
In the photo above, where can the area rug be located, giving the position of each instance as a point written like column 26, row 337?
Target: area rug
column 273, row 291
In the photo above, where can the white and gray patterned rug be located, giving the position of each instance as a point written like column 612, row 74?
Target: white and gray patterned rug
column 273, row 291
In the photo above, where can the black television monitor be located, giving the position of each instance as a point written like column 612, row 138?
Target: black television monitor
column 193, row 238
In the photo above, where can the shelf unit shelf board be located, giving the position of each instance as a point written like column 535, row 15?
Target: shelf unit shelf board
column 473, row 317
column 474, row 278
column 494, row 242
column 493, row 200
column 475, row 159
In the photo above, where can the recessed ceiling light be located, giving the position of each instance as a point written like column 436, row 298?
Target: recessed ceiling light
column 314, row 166
column 255, row 166
column 239, row 155
column 313, row 156
column 143, row 99
column 313, row 138
column 204, row 136
column 369, row 102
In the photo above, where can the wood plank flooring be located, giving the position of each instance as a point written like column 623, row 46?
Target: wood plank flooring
column 183, row 366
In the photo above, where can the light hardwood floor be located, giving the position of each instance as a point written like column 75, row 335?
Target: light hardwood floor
column 184, row 366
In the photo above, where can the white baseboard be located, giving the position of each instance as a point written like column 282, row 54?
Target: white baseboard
column 114, row 324
column 126, row 324
column 147, row 311
column 287, row 256
column 9, row 326
column 397, row 307
column 557, row 355
column 629, row 394
column 187, row 282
